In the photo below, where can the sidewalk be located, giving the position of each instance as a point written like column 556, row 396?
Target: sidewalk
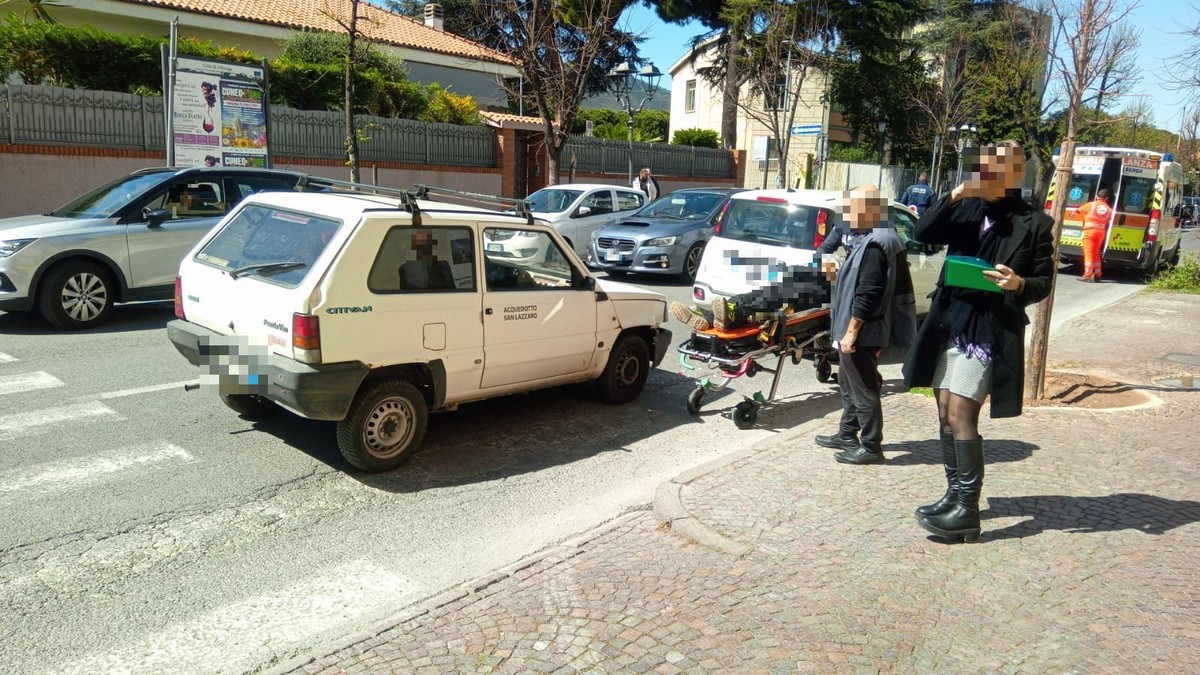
column 779, row 559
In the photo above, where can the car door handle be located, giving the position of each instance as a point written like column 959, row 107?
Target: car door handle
column 487, row 311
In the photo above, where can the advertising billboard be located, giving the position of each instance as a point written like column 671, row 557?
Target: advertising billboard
column 219, row 113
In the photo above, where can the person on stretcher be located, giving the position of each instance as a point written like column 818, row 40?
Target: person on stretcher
column 797, row 288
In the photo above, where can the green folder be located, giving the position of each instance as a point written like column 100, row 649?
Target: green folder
column 967, row 272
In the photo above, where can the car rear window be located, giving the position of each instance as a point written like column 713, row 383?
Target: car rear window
column 270, row 243
column 771, row 223
column 1081, row 190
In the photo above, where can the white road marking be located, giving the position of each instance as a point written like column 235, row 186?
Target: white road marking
column 69, row 474
column 16, row 384
column 248, row 633
column 23, row 424
column 5, row 358
column 146, row 390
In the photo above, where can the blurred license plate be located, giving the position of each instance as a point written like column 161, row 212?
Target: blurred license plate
column 612, row 256
column 495, row 247
column 1072, row 233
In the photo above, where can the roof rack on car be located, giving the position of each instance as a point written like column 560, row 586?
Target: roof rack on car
column 521, row 206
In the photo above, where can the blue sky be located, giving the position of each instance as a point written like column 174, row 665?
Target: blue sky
column 1161, row 21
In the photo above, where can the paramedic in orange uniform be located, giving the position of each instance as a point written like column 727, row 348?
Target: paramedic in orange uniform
column 1096, row 215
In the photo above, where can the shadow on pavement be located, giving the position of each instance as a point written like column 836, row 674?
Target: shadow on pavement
column 122, row 319
column 1086, row 515
column 506, row 436
column 910, row 453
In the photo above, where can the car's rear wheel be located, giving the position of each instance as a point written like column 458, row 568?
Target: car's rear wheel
column 628, row 367
column 385, row 427
column 250, row 406
column 76, row 295
column 691, row 262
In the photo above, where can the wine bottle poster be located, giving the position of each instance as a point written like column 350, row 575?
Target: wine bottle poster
column 220, row 114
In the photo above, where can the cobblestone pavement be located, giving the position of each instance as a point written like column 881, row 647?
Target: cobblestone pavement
column 1085, row 565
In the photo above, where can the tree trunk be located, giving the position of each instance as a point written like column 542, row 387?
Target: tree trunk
column 351, row 129
column 731, row 91
column 554, row 150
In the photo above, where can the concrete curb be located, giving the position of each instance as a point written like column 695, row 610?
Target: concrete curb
column 564, row 551
column 668, row 498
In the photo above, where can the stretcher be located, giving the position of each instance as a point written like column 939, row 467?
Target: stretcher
column 729, row 355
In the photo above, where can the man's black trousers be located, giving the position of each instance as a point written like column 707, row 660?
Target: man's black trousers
column 861, row 385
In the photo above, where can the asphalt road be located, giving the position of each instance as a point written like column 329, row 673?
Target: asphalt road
column 151, row 530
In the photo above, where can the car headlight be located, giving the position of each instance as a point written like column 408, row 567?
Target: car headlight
column 527, row 234
column 661, row 241
column 11, row 246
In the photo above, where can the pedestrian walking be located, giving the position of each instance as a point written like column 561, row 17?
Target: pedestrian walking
column 1096, row 216
column 647, row 184
column 972, row 343
column 873, row 308
column 919, row 195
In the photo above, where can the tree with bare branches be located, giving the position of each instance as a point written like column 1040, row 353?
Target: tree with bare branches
column 348, row 15
column 1086, row 26
column 562, row 49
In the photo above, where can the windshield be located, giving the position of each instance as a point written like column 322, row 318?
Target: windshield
column 106, row 200
column 270, row 243
column 771, row 223
column 552, row 200
column 683, row 206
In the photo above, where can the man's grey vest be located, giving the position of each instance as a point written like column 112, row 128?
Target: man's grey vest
column 896, row 323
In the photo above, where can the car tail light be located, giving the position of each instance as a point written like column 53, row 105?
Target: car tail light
column 1152, row 230
column 1049, row 204
column 179, row 313
column 698, row 293
column 306, row 337
column 720, row 218
column 773, row 200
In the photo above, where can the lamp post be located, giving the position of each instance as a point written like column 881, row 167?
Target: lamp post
column 882, row 143
column 962, row 140
column 621, row 77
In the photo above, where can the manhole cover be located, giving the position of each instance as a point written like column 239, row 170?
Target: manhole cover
column 1188, row 382
column 1189, row 359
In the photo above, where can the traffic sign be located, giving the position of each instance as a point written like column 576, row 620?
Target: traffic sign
column 806, row 130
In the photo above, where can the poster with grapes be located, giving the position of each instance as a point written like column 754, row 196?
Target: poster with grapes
column 220, row 114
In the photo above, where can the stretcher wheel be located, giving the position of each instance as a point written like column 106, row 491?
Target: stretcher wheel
column 745, row 414
column 824, row 370
column 797, row 357
column 695, row 400
column 752, row 369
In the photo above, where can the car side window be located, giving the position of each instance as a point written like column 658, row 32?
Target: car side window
column 628, row 201
column 525, row 260
column 240, row 187
column 905, row 225
column 600, row 201
column 191, row 199
column 424, row 260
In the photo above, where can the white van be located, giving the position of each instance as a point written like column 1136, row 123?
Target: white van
column 760, row 229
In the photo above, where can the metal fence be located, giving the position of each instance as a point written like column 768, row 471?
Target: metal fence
column 611, row 156
column 56, row 116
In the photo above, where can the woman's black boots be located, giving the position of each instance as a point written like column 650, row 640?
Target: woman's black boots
column 950, row 464
column 961, row 521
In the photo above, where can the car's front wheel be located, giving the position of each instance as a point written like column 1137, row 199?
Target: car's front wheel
column 628, row 367
column 76, row 295
column 691, row 262
column 385, row 426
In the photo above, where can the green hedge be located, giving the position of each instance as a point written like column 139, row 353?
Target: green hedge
column 646, row 124
column 697, row 138
column 308, row 75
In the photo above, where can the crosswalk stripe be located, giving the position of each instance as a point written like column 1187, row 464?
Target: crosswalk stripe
column 5, row 358
column 22, row 382
column 222, row 640
column 23, row 424
column 68, row 474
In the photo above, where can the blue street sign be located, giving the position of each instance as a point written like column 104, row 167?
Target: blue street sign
column 806, row 130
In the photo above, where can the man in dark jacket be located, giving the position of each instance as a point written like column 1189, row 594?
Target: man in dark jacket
column 873, row 308
column 919, row 194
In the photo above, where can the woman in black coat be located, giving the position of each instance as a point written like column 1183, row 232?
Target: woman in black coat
column 972, row 343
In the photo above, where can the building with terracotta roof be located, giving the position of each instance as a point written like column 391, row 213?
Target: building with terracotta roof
column 430, row 53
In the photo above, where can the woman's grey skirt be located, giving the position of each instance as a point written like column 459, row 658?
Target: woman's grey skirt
column 969, row 378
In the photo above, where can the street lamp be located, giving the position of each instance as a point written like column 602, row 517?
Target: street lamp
column 882, row 145
column 621, row 78
column 962, row 139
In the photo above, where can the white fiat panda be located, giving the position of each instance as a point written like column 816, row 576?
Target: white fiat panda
column 372, row 310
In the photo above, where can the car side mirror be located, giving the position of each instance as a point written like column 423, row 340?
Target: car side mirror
column 583, row 211
column 155, row 217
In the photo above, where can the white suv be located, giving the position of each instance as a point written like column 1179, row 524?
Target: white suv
column 373, row 309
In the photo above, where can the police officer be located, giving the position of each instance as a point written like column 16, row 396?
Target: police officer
column 919, row 194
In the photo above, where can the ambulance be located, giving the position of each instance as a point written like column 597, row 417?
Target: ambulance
column 1146, row 190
